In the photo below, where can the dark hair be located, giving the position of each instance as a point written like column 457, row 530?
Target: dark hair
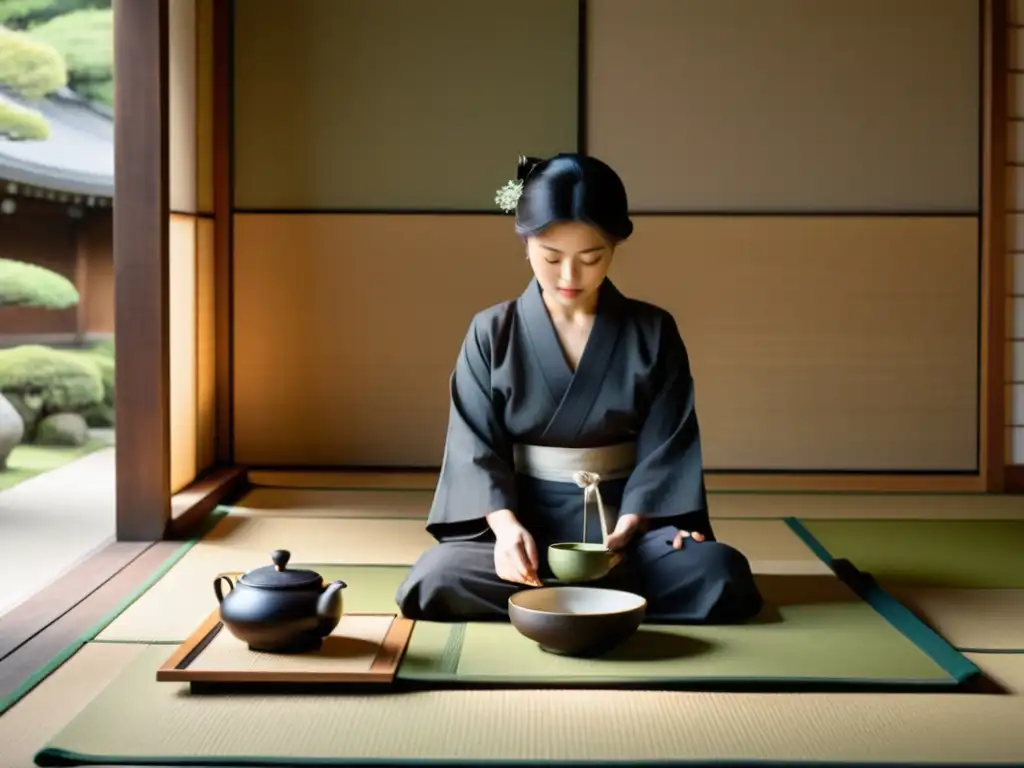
column 571, row 187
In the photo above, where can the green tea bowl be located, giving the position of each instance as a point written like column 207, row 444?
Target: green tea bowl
column 573, row 562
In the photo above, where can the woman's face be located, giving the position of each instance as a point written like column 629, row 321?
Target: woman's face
column 571, row 260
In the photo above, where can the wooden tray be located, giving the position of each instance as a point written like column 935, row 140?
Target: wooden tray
column 364, row 649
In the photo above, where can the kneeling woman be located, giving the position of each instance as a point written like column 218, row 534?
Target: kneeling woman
column 573, row 376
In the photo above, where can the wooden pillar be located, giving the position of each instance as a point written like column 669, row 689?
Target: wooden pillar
column 223, row 202
column 141, row 208
column 82, row 257
column 992, row 454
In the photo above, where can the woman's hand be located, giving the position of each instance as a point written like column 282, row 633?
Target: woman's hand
column 625, row 529
column 682, row 536
column 628, row 525
column 515, row 551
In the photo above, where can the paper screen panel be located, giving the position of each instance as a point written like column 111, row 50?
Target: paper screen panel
column 204, row 106
column 864, row 105
column 182, row 303
column 817, row 343
column 206, row 339
column 398, row 104
column 182, row 105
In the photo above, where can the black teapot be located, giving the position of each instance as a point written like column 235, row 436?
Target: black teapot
column 276, row 610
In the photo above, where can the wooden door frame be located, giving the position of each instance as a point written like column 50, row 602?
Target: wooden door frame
column 141, row 312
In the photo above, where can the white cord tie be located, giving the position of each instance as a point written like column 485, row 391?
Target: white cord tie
column 589, row 482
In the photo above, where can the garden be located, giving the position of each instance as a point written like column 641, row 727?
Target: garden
column 47, row 46
column 51, row 399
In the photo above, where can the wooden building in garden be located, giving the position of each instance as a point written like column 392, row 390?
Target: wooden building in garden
column 56, row 198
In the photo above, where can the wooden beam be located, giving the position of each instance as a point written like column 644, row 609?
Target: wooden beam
column 191, row 506
column 82, row 255
column 992, row 422
column 223, row 200
column 26, row 620
column 1014, row 479
column 29, row 664
column 141, row 210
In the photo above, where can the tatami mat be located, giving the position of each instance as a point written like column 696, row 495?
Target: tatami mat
column 814, row 631
column 392, row 481
column 26, row 726
column 370, row 541
column 297, row 502
column 136, row 717
column 969, row 619
column 983, row 554
column 171, row 609
column 868, row 506
column 770, row 545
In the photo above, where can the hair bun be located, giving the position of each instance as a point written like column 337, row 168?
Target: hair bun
column 526, row 166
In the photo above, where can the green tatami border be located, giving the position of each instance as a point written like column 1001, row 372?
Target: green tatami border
column 79, row 642
column 930, row 642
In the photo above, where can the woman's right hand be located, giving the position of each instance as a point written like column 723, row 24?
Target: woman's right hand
column 515, row 551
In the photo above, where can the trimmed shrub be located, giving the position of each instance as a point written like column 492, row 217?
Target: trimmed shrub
column 15, row 10
column 104, row 348
column 100, row 415
column 29, row 285
column 18, row 123
column 104, row 364
column 30, row 68
column 101, row 355
column 85, row 38
column 46, row 381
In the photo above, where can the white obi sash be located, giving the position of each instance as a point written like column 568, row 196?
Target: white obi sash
column 585, row 467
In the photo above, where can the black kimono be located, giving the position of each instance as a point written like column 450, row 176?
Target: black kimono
column 512, row 386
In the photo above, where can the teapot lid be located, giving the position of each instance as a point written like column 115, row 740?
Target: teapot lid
column 277, row 576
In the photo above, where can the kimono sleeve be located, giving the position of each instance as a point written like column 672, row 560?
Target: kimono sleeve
column 477, row 473
column 667, row 484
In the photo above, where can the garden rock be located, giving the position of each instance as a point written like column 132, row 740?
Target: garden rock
column 67, row 429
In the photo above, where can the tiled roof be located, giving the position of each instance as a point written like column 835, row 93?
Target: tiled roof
column 78, row 157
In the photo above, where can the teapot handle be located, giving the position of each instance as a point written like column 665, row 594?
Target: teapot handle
column 218, row 590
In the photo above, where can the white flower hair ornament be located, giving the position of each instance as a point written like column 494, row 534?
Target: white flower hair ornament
column 508, row 196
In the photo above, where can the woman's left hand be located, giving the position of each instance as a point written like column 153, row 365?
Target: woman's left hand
column 682, row 536
column 628, row 525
